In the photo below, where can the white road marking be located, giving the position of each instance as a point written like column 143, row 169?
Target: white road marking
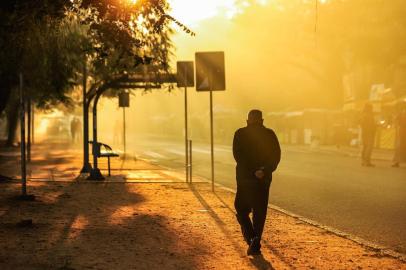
column 177, row 152
column 201, row 150
column 153, row 154
column 223, row 149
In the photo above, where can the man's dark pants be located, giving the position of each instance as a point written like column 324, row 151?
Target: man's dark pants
column 252, row 196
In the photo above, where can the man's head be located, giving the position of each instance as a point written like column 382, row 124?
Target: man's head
column 255, row 118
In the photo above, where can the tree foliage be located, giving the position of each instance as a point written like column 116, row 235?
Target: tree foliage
column 25, row 29
column 49, row 42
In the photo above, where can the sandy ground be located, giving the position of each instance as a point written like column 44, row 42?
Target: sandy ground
column 152, row 221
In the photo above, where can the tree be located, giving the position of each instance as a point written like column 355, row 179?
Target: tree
column 120, row 39
column 48, row 43
column 29, row 45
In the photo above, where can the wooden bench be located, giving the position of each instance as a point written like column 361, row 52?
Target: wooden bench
column 104, row 150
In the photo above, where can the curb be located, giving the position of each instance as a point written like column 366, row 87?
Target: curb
column 342, row 153
column 365, row 243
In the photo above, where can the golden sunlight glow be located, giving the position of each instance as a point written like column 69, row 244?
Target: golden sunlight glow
column 78, row 225
column 192, row 12
column 121, row 214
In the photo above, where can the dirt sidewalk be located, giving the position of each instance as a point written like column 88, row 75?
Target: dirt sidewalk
column 144, row 217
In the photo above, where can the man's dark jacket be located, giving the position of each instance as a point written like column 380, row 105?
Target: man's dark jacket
column 255, row 147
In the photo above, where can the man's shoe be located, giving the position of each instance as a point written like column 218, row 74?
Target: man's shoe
column 255, row 247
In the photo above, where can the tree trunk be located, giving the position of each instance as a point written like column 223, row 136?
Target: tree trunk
column 12, row 121
column 4, row 98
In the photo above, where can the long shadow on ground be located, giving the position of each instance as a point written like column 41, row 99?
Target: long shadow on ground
column 258, row 261
column 85, row 225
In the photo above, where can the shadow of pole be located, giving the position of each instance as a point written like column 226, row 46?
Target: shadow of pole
column 224, row 203
column 258, row 261
column 217, row 219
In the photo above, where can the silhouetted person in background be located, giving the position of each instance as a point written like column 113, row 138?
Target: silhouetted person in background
column 368, row 130
column 79, row 130
column 400, row 144
column 257, row 153
column 75, row 129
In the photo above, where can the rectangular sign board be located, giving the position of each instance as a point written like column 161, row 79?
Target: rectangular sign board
column 210, row 71
column 185, row 74
column 124, row 99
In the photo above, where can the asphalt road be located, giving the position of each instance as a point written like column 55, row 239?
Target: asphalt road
column 331, row 189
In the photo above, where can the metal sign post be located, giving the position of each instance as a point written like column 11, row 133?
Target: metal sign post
column 124, row 134
column 190, row 162
column 186, row 133
column 185, row 79
column 123, row 102
column 210, row 76
column 22, row 139
column 211, row 140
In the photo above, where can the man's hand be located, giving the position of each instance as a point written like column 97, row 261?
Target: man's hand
column 260, row 174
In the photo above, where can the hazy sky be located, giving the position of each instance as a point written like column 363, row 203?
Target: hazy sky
column 192, row 12
column 276, row 59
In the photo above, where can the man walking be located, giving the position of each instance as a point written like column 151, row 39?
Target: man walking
column 257, row 153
